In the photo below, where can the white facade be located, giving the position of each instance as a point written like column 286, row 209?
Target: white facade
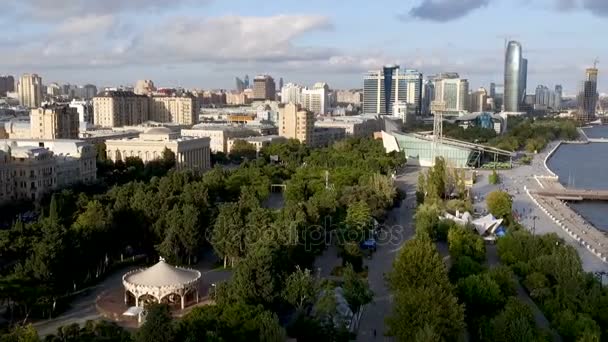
column 190, row 153
column 291, row 93
column 31, row 168
column 382, row 88
column 85, row 113
column 315, row 100
column 259, row 142
column 353, row 126
column 219, row 135
column 450, row 93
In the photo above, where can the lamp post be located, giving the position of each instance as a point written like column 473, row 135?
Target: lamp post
column 534, row 218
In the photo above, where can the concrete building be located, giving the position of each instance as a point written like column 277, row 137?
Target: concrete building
column 30, row 90
column 53, row 89
column 296, row 123
column 325, row 136
column 7, row 85
column 588, row 96
column 144, row 87
column 190, row 153
column 353, row 126
column 54, row 122
column 382, row 88
column 263, row 88
column 120, row 108
column 349, row 96
column 316, row 99
column 17, row 129
column 31, row 168
column 85, row 113
column 219, row 135
column 238, row 98
column 291, row 93
column 478, row 101
column 181, row 109
column 258, row 141
column 450, row 93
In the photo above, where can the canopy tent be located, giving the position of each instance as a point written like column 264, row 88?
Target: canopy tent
column 160, row 281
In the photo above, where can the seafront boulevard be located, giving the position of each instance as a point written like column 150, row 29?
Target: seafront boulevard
column 543, row 215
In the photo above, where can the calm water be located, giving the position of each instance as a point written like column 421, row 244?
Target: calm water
column 585, row 167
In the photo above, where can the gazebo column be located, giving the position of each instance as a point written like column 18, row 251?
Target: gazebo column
column 182, row 298
column 136, row 300
column 126, row 297
column 197, row 295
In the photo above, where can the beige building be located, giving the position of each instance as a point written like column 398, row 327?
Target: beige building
column 316, row 99
column 296, row 123
column 349, row 96
column 54, row 122
column 120, row 108
column 264, row 88
column 30, row 90
column 219, row 135
column 258, row 142
column 182, row 109
column 190, row 153
column 144, row 87
column 16, row 129
column 236, row 98
column 354, row 126
column 31, row 168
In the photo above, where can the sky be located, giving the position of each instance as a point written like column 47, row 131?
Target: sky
column 207, row 43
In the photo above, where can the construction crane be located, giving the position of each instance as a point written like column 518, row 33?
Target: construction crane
column 595, row 63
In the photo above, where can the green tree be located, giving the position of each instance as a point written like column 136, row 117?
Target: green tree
column 463, row 267
column 25, row 333
column 300, row 289
column 417, row 308
column 356, row 290
column 418, row 264
column 242, row 150
column 481, row 295
column 228, row 232
column 514, row 323
column 158, row 326
column 427, row 221
column 499, row 204
column 358, row 218
column 494, row 178
column 463, row 242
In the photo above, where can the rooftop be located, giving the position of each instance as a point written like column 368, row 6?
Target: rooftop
column 162, row 274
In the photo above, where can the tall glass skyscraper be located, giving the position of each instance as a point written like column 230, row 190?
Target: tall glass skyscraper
column 588, row 96
column 514, row 65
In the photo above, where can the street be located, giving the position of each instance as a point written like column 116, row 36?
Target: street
column 399, row 229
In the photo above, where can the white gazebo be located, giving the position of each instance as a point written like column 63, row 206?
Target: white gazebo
column 160, row 281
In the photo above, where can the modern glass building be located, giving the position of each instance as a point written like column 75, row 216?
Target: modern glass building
column 383, row 88
column 514, row 72
column 588, row 96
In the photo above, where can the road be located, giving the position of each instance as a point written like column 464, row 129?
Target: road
column 400, row 230
column 83, row 307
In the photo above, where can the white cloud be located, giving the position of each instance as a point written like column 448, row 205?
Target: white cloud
column 88, row 24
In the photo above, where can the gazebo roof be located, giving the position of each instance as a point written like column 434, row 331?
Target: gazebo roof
column 162, row 274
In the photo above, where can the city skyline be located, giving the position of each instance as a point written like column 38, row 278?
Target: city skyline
column 206, row 44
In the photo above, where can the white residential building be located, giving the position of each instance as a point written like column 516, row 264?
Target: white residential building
column 291, row 93
column 219, row 135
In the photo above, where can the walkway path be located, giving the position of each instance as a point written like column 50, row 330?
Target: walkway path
column 400, row 230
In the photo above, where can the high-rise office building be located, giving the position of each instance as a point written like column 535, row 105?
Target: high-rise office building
column 263, row 88
column 559, row 93
column 450, row 93
column 240, row 85
column 280, row 82
column 316, row 99
column 291, row 93
column 479, row 101
column 514, row 65
column 383, row 88
column 492, row 90
column 180, row 109
column 246, row 81
column 296, row 123
column 523, row 79
column 588, row 96
column 7, row 84
column 89, row 91
column 30, row 90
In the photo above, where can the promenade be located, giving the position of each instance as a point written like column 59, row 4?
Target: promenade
column 536, row 215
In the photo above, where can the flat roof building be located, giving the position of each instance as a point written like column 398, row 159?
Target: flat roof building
column 190, row 152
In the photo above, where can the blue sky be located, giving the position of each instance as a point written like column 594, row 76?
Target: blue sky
column 206, row 43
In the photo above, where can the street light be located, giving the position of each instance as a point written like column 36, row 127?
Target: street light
column 534, row 224
column 600, row 275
